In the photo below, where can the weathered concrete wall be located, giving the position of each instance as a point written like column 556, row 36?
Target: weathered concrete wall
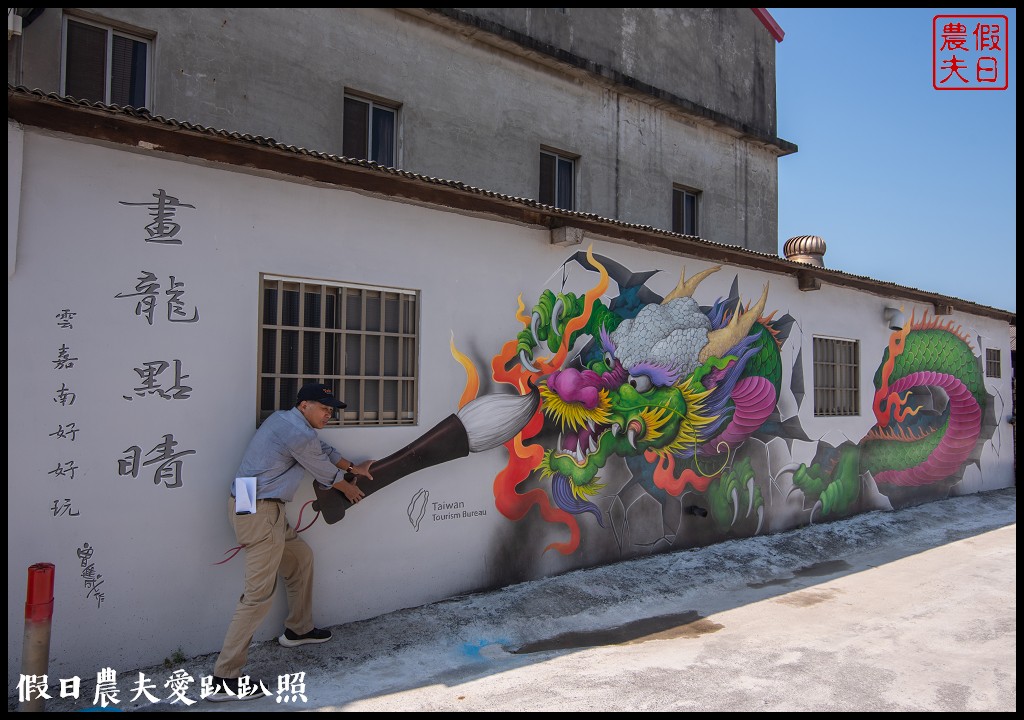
column 74, row 327
column 477, row 114
column 720, row 58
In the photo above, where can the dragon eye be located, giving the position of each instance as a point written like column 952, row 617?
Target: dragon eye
column 641, row 383
column 609, row 360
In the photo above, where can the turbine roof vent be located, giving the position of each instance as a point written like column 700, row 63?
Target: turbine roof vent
column 809, row 249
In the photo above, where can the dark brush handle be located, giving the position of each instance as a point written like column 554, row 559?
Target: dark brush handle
column 445, row 441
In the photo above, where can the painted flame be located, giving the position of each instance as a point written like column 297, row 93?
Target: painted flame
column 665, row 475
column 888, row 405
column 523, row 458
column 472, row 377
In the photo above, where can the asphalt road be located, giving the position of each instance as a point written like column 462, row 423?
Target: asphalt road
column 913, row 610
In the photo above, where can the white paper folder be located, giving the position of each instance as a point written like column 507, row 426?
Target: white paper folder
column 245, row 495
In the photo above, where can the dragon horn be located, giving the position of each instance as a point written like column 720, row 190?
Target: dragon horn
column 685, row 288
column 719, row 341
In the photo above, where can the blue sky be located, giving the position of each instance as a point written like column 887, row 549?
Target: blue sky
column 905, row 183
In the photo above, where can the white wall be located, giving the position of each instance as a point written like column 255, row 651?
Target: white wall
column 155, row 547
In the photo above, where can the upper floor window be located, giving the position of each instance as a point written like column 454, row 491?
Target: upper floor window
column 370, row 131
column 362, row 341
column 685, row 204
column 993, row 363
column 836, row 377
column 105, row 65
column 557, row 180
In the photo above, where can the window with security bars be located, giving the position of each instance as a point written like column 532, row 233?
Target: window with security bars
column 836, row 377
column 993, row 363
column 105, row 65
column 361, row 341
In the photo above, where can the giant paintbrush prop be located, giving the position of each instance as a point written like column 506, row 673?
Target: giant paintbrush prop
column 482, row 424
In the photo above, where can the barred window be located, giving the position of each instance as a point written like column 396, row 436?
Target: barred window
column 993, row 363
column 362, row 341
column 836, row 373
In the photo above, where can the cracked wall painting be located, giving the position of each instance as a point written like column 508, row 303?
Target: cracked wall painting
column 659, row 425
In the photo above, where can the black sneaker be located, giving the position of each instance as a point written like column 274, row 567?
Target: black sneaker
column 235, row 689
column 293, row 639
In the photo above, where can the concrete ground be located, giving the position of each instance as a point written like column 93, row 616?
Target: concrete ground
column 913, row 610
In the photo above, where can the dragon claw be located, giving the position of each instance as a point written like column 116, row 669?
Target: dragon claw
column 527, row 362
column 556, row 315
column 810, row 518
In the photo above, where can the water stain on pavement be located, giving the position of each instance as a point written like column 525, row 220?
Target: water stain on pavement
column 662, row 627
column 806, row 598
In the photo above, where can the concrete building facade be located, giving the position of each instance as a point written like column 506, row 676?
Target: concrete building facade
column 649, row 106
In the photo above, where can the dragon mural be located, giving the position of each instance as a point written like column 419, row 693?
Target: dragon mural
column 929, row 406
column 668, row 399
column 658, row 418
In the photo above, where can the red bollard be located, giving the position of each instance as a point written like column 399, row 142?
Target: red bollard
column 35, row 656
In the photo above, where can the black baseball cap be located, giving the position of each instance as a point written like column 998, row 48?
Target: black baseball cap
column 318, row 392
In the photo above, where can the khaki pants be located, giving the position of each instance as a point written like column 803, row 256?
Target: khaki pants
column 271, row 547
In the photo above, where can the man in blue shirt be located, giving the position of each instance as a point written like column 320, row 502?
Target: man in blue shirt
column 285, row 447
